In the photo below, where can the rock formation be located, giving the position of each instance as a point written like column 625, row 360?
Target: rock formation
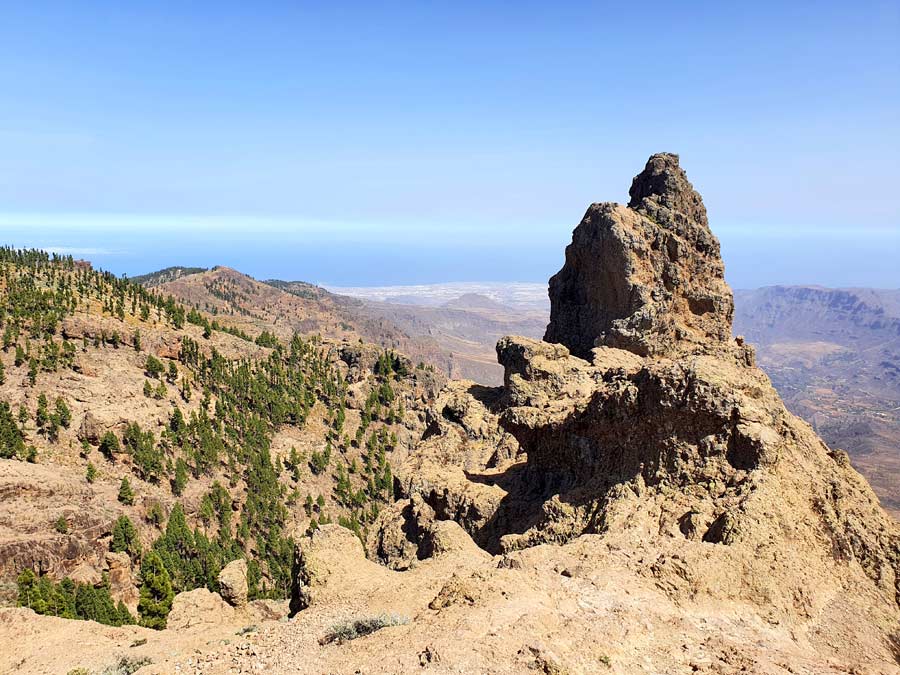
column 642, row 420
column 647, row 277
column 233, row 583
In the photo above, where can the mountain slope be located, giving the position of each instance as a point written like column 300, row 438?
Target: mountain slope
column 834, row 356
column 226, row 443
column 284, row 308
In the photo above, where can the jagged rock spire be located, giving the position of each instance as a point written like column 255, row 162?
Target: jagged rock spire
column 663, row 191
column 648, row 277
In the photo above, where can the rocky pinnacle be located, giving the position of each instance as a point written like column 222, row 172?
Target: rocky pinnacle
column 647, row 277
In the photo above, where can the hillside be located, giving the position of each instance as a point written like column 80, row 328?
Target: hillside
column 834, row 356
column 132, row 424
column 284, row 308
column 465, row 329
column 457, row 339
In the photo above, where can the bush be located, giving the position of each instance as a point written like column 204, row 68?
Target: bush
column 109, row 444
column 126, row 494
column 357, row 628
column 126, row 665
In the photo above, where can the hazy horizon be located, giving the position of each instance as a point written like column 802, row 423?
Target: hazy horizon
column 362, row 145
column 791, row 257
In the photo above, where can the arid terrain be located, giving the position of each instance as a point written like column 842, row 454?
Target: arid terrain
column 832, row 354
column 632, row 497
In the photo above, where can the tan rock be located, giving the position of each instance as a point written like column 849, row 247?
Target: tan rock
column 197, row 609
column 647, row 277
column 122, row 580
column 330, row 562
column 233, row 583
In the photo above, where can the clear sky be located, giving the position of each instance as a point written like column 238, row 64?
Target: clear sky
column 382, row 143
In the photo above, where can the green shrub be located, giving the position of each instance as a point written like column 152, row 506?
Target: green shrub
column 357, row 628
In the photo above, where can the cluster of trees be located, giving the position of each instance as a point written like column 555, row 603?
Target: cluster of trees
column 49, row 423
column 12, row 442
column 229, row 434
column 71, row 600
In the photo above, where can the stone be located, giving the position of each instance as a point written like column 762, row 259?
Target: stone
column 122, row 580
column 233, row 583
column 648, row 277
column 197, row 609
column 91, row 429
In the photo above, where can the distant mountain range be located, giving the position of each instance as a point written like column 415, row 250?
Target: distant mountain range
column 834, row 356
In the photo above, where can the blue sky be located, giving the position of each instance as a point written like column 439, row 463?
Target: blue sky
column 384, row 143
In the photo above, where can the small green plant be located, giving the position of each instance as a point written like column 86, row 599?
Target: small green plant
column 91, row 474
column 126, row 665
column 357, row 628
column 61, row 525
column 109, row 444
column 126, row 494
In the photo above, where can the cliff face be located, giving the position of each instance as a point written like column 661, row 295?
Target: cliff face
column 647, row 277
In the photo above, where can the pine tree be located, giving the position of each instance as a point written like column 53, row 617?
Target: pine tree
column 109, row 444
column 156, row 592
column 91, row 474
column 126, row 494
column 63, row 413
column 125, row 538
column 181, row 477
column 42, row 416
column 12, row 443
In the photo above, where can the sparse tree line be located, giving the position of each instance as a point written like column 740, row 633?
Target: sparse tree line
column 243, row 403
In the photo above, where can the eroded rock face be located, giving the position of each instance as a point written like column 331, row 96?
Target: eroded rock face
column 123, row 581
column 647, row 277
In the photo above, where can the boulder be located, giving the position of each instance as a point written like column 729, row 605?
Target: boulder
column 233, row 583
column 330, row 562
column 91, row 429
column 198, row 608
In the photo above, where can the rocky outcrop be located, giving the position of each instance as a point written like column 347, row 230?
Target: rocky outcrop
column 233, row 583
column 641, row 426
column 647, row 277
column 122, row 580
column 331, row 552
